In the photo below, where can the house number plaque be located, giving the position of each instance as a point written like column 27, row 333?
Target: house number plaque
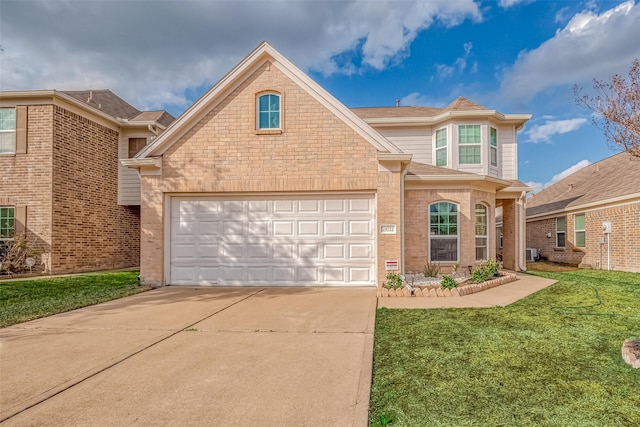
column 388, row 229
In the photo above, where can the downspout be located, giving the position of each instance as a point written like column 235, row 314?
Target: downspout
column 403, row 173
column 521, row 236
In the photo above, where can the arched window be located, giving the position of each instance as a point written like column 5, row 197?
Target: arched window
column 481, row 233
column 443, row 232
column 269, row 111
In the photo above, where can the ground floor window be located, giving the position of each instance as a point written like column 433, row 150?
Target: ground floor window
column 7, row 223
column 443, row 232
column 579, row 229
column 481, row 233
column 561, row 229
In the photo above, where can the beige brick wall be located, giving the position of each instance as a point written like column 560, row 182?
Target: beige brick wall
column 417, row 225
column 25, row 179
column 389, row 211
column 624, row 239
column 316, row 152
column 90, row 231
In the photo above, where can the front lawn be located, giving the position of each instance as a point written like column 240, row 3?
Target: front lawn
column 30, row 299
column 551, row 359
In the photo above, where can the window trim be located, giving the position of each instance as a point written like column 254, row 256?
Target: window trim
column 269, row 130
column 12, row 209
column 486, row 230
column 444, row 147
column 10, row 131
column 563, row 232
column 445, row 237
column 477, row 145
column 493, row 146
column 577, row 230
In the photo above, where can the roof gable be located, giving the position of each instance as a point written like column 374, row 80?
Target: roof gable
column 261, row 55
column 612, row 178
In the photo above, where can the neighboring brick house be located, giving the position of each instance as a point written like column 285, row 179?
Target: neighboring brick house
column 60, row 179
column 566, row 221
column 269, row 180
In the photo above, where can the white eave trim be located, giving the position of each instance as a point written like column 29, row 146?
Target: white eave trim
column 518, row 119
column 145, row 166
column 393, row 157
column 460, row 178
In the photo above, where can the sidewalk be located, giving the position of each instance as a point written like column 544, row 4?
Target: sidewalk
column 498, row 296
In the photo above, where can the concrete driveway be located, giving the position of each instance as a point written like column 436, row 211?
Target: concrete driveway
column 195, row 356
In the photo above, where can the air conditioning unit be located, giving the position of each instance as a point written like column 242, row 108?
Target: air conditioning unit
column 532, row 255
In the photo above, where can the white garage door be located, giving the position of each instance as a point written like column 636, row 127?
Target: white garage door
column 298, row 241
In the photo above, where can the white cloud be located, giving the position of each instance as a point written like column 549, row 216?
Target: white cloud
column 151, row 52
column 509, row 3
column 538, row 186
column 590, row 46
column 459, row 65
column 416, row 99
column 544, row 132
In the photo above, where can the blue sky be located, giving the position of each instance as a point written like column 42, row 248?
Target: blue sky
column 515, row 56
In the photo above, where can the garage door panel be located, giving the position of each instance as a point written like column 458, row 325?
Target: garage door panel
column 283, row 241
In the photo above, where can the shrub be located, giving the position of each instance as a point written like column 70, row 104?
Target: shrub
column 431, row 270
column 13, row 255
column 480, row 274
column 492, row 267
column 394, row 281
column 448, row 282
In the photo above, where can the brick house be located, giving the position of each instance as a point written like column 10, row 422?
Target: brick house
column 567, row 220
column 60, row 179
column 269, row 180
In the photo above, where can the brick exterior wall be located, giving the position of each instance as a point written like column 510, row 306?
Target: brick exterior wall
column 223, row 153
column 90, row 230
column 25, row 179
column 416, row 219
column 625, row 238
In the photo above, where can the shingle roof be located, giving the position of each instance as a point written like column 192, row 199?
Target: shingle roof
column 613, row 177
column 111, row 104
column 460, row 104
column 105, row 101
column 160, row 116
column 463, row 104
column 416, row 168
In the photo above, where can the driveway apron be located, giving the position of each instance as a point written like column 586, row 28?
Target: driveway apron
column 195, row 356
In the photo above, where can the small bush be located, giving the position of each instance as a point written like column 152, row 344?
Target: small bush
column 431, row 270
column 492, row 267
column 480, row 274
column 14, row 253
column 394, row 281
column 448, row 282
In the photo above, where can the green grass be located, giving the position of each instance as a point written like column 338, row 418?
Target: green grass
column 25, row 300
column 541, row 361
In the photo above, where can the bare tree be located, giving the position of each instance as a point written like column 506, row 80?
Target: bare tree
column 617, row 109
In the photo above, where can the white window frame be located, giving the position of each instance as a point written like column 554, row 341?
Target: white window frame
column 493, row 146
column 561, row 232
column 484, row 236
column 577, row 230
column 445, row 147
column 11, row 209
column 9, row 133
column 475, row 145
column 259, row 111
column 455, row 237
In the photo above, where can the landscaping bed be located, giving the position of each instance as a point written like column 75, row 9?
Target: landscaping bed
column 434, row 290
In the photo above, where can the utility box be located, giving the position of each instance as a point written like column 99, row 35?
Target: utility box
column 606, row 227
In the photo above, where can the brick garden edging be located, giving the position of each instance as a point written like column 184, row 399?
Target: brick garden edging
column 461, row 290
column 631, row 353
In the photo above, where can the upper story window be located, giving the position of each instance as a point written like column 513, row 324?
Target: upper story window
column 481, row 232
column 269, row 111
column 493, row 146
column 561, row 229
column 441, row 147
column 7, row 223
column 469, row 144
column 7, row 130
column 443, row 232
column 579, row 230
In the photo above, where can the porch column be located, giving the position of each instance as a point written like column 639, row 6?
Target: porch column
column 509, row 235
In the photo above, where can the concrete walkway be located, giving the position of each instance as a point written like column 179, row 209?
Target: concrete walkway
column 195, row 356
column 498, row 296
